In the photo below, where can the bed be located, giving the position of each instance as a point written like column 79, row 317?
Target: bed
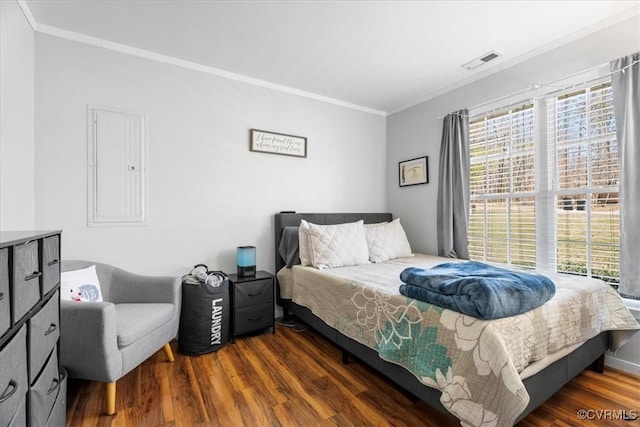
column 456, row 363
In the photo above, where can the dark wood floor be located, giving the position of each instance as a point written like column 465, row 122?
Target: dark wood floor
column 297, row 379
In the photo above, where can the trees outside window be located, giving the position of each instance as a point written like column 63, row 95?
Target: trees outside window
column 568, row 199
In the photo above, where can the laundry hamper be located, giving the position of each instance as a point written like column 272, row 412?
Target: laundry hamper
column 205, row 315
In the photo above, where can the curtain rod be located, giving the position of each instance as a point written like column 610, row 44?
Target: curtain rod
column 548, row 84
column 609, row 74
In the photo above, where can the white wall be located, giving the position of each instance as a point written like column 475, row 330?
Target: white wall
column 16, row 119
column 207, row 192
column 417, row 131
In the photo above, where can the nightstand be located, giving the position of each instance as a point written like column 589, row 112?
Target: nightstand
column 252, row 303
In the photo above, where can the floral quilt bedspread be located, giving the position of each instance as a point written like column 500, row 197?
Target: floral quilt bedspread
column 476, row 364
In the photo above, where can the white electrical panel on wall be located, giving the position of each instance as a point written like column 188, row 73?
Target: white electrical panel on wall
column 117, row 168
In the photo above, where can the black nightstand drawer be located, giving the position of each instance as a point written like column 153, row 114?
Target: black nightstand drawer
column 253, row 303
column 253, row 293
column 253, row 318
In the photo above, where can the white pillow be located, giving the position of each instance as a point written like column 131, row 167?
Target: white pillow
column 303, row 243
column 80, row 285
column 387, row 240
column 338, row 245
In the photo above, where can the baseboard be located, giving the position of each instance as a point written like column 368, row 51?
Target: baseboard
column 621, row 364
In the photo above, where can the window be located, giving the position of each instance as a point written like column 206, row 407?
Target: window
column 584, row 153
column 502, row 214
column 117, row 168
column 568, row 200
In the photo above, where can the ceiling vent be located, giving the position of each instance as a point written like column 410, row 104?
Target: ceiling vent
column 472, row 65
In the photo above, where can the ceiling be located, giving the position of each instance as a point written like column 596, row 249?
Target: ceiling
column 379, row 55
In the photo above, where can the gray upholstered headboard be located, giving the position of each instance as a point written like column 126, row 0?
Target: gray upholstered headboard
column 285, row 219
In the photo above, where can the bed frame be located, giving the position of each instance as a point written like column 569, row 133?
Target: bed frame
column 540, row 386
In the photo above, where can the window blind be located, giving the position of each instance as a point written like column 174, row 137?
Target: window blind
column 584, row 153
column 561, row 211
column 502, row 183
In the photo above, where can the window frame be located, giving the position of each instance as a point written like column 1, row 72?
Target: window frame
column 558, row 192
column 547, row 192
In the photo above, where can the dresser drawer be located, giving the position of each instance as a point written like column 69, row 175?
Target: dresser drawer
column 26, row 279
column 252, row 293
column 50, row 263
column 44, row 393
column 59, row 411
column 13, row 376
column 44, row 331
column 5, row 305
column 252, row 318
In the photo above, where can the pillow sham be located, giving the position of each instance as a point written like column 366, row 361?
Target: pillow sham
column 80, row 285
column 289, row 247
column 338, row 245
column 303, row 243
column 387, row 240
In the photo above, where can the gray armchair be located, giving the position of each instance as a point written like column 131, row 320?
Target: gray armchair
column 103, row 341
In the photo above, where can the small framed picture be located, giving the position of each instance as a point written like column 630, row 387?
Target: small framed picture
column 414, row 171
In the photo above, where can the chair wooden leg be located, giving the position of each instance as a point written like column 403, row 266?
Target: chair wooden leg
column 167, row 350
column 111, row 398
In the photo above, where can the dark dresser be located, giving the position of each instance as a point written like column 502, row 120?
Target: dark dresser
column 33, row 385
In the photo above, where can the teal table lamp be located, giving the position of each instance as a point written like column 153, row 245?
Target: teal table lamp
column 246, row 261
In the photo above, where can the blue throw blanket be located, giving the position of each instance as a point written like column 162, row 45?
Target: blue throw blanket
column 477, row 289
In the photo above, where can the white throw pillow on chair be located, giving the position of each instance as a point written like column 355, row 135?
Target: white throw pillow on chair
column 80, row 285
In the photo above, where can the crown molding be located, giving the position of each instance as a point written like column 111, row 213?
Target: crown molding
column 26, row 11
column 153, row 56
column 627, row 14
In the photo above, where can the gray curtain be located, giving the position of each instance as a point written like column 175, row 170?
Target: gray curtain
column 453, row 187
column 625, row 82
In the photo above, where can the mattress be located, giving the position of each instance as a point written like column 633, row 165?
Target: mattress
column 478, row 365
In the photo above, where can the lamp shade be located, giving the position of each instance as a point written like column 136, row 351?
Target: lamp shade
column 246, row 260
